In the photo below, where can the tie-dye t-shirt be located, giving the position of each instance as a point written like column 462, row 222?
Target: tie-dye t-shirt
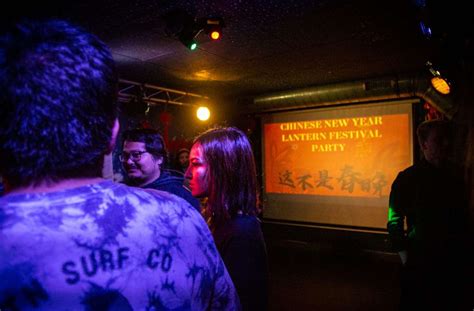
column 107, row 246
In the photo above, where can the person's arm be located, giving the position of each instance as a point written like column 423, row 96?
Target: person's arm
column 246, row 261
column 196, row 258
column 396, row 218
column 403, row 256
column 224, row 296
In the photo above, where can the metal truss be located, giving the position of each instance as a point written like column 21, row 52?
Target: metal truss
column 153, row 95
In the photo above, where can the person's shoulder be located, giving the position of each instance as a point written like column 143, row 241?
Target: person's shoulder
column 247, row 220
column 408, row 172
column 173, row 184
column 246, row 226
column 174, row 173
column 162, row 195
column 171, row 175
column 167, row 180
column 149, row 197
column 166, row 209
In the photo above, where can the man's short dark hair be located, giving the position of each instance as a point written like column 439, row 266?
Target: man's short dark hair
column 152, row 139
column 57, row 102
column 426, row 127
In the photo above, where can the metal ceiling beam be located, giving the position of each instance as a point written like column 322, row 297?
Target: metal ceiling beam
column 153, row 95
column 393, row 87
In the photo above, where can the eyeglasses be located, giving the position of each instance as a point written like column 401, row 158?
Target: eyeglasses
column 134, row 155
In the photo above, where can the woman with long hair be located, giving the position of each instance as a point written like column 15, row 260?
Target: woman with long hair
column 222, row 169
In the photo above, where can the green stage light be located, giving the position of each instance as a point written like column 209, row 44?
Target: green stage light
column 188, row 40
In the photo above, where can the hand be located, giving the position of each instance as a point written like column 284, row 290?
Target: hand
column 403, row 256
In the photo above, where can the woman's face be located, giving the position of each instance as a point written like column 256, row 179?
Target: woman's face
column 197, row 172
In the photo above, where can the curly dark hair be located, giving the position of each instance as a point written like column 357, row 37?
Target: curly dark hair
column 57, row 104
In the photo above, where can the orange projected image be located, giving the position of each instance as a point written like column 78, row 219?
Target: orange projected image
column 350, row 156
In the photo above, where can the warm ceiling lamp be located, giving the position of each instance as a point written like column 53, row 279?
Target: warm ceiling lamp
column 213, row 27
column 203, row 113
column 215, row 35
column 439, row 83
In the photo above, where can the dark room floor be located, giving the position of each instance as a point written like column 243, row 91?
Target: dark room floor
column 305, row 276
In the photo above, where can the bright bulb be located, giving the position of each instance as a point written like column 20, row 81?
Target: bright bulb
column 441, row 85
column 203, row 113
column 215, row 35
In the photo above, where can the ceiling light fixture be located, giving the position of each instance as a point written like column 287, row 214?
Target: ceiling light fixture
column 182, row 26
column 189, row 41
column 186, row 28
column 213, row 27
column 203, row 113
column 439, row 83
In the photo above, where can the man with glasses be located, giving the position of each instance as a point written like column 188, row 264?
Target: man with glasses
column 143, row 157
column 70, row 239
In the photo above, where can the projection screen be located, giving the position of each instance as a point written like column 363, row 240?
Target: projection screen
column 335, row 166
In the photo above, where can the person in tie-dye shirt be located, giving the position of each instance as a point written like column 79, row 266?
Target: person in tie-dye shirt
column 70, row 240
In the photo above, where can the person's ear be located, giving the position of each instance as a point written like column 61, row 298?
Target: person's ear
column 423, row 148
column 113, row 137
column 159, row 160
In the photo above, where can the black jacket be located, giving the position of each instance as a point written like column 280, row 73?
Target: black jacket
column 432, row 202
column 173, row 183
column 242, row 247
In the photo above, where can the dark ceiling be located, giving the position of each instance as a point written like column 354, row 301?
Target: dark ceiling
column 266, row 46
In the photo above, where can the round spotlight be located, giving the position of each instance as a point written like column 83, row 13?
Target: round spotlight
column 215, row 35
column 441, row 85
column 203, row 113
